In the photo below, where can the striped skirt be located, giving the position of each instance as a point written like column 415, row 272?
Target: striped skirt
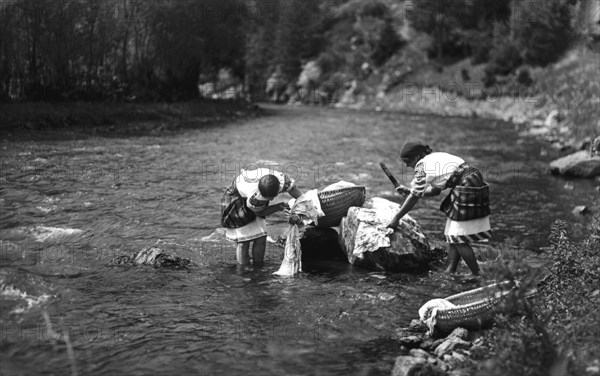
column 473, row 230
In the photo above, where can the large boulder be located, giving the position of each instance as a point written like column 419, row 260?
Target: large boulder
column 368, row 243
column 580, row 164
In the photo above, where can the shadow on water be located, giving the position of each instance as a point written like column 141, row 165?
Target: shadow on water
column 68, row 207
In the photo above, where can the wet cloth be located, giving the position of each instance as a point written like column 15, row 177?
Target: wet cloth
column 428, row 311
column 442, row 169
column 246, row 186
column 307, row 206
column 292, row 258
column 372, row 232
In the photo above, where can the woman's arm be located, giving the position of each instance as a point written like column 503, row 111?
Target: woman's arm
column 295, row 192
column 407, row 206
column 431, row 191
column 428, row 192
column 271, row 209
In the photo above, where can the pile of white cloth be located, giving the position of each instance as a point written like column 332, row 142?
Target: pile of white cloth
column 428, row 312
column 308, row 206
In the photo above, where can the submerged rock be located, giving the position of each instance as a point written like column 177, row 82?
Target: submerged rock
column 320, row 243
column 580, row 210
column 407, row 365
column 580, row 164
column 368, row 243
column 155, row 257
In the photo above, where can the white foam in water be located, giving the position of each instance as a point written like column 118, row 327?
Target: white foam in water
column 43, row 233
column 46, row 209
column 11, row 293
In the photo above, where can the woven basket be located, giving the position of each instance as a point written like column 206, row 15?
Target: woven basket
column 475, row 308
column 335, row 204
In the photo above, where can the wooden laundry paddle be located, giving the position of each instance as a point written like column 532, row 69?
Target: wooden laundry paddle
column 393, row 179
column 389, row 175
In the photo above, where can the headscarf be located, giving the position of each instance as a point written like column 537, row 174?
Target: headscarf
column 268, row 186
column 410, row 149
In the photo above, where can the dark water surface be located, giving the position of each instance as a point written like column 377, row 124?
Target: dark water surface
column 69, row 206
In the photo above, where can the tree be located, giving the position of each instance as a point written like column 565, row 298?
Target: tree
column 542, row 29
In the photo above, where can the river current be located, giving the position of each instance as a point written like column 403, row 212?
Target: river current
column 71, row 204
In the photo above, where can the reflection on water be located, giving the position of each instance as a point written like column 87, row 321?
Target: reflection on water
column 70, row 206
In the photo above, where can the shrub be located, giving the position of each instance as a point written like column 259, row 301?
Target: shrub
column 505, row 56
column 375, row 9
column 387, row 44
column 481, row 46
column 556, row 332
column 572, row 293
column 542, row 29
column 524, row 77
column 464, row 73
column 489, row 77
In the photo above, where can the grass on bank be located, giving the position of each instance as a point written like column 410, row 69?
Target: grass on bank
column 556, row 332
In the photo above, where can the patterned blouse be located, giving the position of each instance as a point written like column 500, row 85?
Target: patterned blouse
column 247, row 186
column 433, row 170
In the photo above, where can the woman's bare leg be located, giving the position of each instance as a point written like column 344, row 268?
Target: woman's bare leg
column 258, row 250
column 453, row 259
column 466, row 252
column 242, row 253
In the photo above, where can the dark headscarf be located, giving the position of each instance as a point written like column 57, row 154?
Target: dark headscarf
column 410, row 149
column 268, row 186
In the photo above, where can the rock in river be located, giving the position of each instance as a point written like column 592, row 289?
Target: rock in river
column 156, row 257
column 368, row 243
column 581, row 164
column 320, row 243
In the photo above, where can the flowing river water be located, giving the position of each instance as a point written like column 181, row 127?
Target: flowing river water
column 71, row 204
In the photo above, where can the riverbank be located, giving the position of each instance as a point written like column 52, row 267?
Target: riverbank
column 547, row 325
column 38, row 120
column 556, row 332
column 559, row 103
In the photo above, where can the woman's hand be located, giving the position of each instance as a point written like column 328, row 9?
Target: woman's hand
column 403, row 190
column 295, row 219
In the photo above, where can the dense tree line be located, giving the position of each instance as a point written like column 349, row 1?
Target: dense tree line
column 63, row 49
column 151, row 49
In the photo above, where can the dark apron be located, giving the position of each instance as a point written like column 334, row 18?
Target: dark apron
column 235, row 212
column 469, row 197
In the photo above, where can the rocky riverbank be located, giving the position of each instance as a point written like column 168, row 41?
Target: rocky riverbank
column 424, row 355
column 560, row 103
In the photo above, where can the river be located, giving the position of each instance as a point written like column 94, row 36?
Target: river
column 71, row 204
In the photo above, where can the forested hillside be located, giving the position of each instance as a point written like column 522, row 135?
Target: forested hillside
column 305, row 50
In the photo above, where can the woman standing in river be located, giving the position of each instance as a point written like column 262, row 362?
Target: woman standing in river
column 466, row 206
column 255, row 189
